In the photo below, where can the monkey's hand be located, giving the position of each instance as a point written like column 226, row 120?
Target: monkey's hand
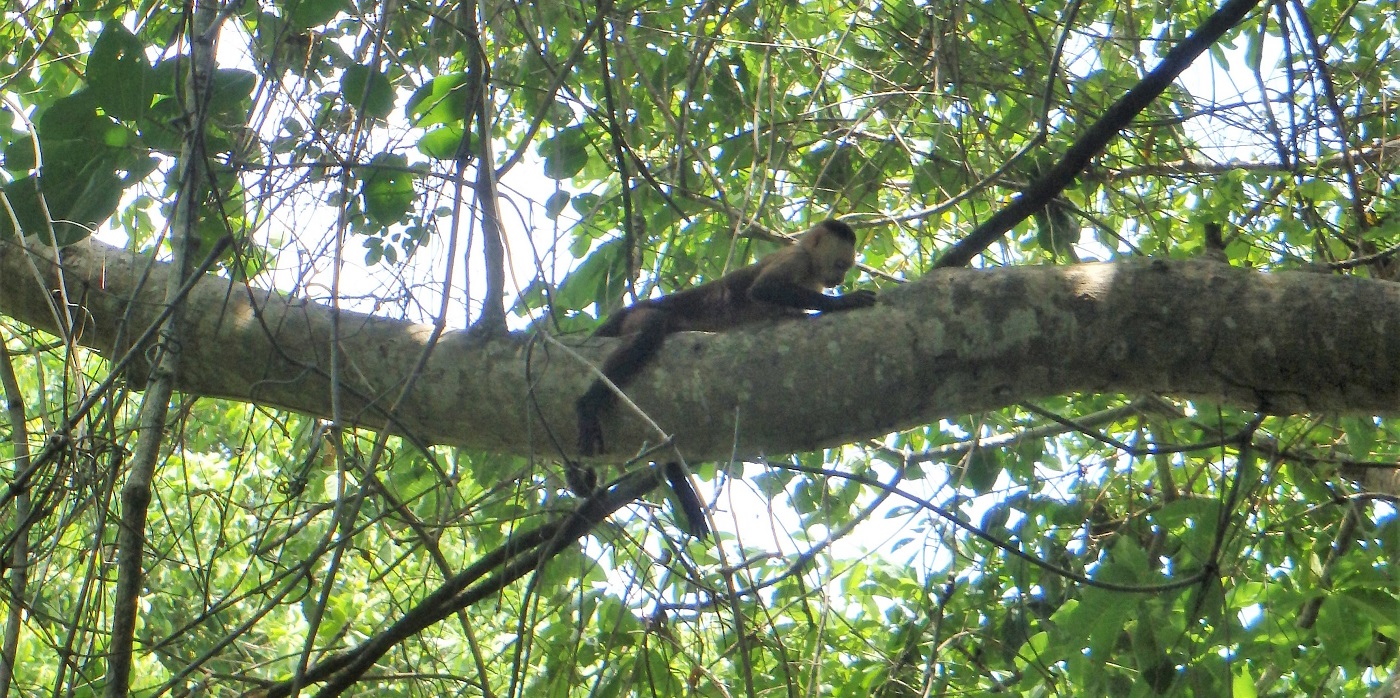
column 863, row 298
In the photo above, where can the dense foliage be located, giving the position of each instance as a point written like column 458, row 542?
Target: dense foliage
column 1084, row 545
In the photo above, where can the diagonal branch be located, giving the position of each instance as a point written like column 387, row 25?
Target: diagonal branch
column 1116, row 118
column 512, row 561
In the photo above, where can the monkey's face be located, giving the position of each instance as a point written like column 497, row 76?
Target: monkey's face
column 835, row 258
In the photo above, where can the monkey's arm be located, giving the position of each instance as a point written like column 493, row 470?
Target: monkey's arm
column 788, row 282
column 793, row 296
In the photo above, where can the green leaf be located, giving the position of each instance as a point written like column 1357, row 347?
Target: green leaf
column 1096, row 622
column 1160, row 674
column 90, row 200
column 1199, row 512
column 735, row 155
column 158, row 129
column 725, row 92
column 304, row 14
column 19, row 156
column 441, row 100
column 804, row 26
column 71, row 118
column 80, row 180
column 119, row 75
column 588, row 283
column 78, row 202
column 1379, row 607
column 388, row 190
column 1056, row 230
column 374, row 251
column 983, row 467
column 559, row 114
column 1242, row 683
column 1361, row 436
column 167, row 73
column 232, row 95
column 410, row 480
column 1342, row 633
column 22, row 195
column 586, row 203
column 444, row 143
column 1129, row 559
column 1034, row 650
column 833, row 166
column 1318, row 190
column 566, row 153
column 368, row 90
column 555, row 204
column 772, row 483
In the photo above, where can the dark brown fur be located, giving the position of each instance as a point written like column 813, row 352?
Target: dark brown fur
column 785, row 284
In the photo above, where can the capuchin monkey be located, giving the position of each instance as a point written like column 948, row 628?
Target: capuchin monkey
column 784, row 284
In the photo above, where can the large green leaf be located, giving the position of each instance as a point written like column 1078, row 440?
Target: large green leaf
column 441, row 100
column 369, row 90
column 119, row 75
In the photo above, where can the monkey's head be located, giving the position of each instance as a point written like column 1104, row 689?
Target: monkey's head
column 832, row 245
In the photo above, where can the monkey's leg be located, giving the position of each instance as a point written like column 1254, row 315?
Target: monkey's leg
column 620, row 367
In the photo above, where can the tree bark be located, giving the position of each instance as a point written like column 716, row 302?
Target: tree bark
column 954, row 342
column 155, row 403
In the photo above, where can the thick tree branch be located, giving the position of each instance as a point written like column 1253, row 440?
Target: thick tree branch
column 955, row 342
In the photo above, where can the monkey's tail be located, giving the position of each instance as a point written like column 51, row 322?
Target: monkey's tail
column 689, row 501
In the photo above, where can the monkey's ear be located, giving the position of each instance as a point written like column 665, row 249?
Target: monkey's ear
column 838, row 229
column 813, row 235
